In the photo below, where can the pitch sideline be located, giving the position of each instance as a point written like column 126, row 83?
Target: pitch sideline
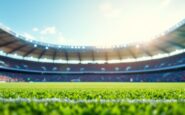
column 45, row 100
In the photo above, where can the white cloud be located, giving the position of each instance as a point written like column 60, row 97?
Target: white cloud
column 35, row 29
column 48, row 30
column 108, row 10
column 48, row 34
column 29, row 36
column 165, row 3
column 58, row 39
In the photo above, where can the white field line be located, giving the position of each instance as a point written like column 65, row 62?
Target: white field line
column 45, row 100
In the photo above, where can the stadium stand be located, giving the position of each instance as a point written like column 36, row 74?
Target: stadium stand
column 166, row 69
column 170, row 68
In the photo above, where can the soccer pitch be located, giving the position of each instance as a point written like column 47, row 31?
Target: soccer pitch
column 92, row 98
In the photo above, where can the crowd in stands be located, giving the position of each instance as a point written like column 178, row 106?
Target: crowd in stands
column 4, row 78
column 174, row 76
column 156, row 76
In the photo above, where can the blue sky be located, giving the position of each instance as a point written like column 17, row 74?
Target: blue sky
column 91, row 22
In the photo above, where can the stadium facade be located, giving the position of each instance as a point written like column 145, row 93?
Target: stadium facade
column 161, row 59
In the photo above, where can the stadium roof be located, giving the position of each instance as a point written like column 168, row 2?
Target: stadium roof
column 170, row 41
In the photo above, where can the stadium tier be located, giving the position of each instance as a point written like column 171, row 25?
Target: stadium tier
column 171, row 69
column 19, row 60
column 14, row 45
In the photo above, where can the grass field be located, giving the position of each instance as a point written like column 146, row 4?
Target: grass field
column 92, row 98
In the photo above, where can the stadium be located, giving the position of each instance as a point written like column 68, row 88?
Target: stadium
column 38, row 77
column 83, row 60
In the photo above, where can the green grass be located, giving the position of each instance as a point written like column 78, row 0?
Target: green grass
column 90, row 91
